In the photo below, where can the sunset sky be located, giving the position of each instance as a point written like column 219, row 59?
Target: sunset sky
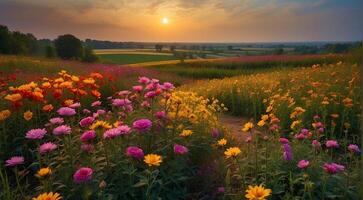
column 188, row 20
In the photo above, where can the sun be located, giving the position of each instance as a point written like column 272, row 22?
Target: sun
column 165, row 20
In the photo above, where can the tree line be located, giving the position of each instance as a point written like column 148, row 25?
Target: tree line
column 64, row 46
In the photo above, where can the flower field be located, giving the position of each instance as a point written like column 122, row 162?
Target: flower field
column 81, row 134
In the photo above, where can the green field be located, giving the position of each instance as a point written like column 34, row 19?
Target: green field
column 133, row 58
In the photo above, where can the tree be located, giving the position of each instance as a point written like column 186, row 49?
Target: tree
column 89, row 56
column 159, row 47
column 49, row 51
column 68, row 47
column 172, row 48
column 5, row 40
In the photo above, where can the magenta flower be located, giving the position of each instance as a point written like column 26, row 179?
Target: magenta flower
column 145, row 104
column 111, row 133
column 331, row 144
column 303, row 164
column 47, row 147
column 121, row 102
column 287, row 152
column 86, row 121
column 316, row 144
column 180, row 149
column 333, row 168
column 88, row 135
column 14, row 161
column 304, row 131
column 101, row 112
column 150, row 94
column 354, row 148
column 62, row 130
column 214, row 133
column 168, row 86
column 66, row 111
column 56, row 121
column 86, row 111
column 284, row 141
column 96, row 103
column 87, row 147
column 83, row 174
column 36, row 133
column 160, row 114
column 142, row 125
column 124, row 93
column 300, row 136
column 135, row 152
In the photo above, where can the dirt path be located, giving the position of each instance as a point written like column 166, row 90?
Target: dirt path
column 234, row 125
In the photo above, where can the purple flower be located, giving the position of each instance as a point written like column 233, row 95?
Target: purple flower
column 321, row 130
column 142, row 125
column 86, row 121
column 180, row 149
column 87, row 147
column 111, row 133
column 47, row 147
column 316, row 144
column 304, row 131
column 168, row 86
column 287, row 152
column 66, row 111
column 62, row 130
column 56, row 120
column 14, row 161
column 36, row 133
column 96, row 103
column 150, row 94
column 303, row 164
column 84, row 174
column 333, row 168
column 88, row 135
column 331, row 144
column 215, row 133
column 134, row 152
column 354, row 148
column 284, row 141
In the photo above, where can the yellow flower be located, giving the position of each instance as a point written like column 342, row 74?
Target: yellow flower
column 257, row 193
column 68, row 102
column 28, row 115
column 261, row 123
column 4, row 114
column 48, row 196
column 102, row 124
column 295, row 123
column 186, row 133
column 247, row 127
column 264, row 117
column 75, row 78
column 46, row 85
column 13, row 97
column 232, row 152
column 152, row 160
column 269, row 109
column 89, row 81
column 45, row 171
column 222, row 142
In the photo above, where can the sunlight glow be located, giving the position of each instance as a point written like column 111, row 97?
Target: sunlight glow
column 165, row 20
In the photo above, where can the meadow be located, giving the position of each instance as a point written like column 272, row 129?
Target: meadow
column 100, row 131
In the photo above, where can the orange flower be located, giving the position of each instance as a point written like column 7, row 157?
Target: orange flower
column 48, row 108
column 68, row 102
column 28, row 115
column 13, row 97
column 96, row 75
column 96, row 93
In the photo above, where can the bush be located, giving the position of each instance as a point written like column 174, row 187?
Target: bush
column 89, row 55
column 68, row 47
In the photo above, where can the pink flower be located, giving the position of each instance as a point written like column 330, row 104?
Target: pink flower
column 168, row 86
column 303, row 164
column 84, row 174
column 316, row 144
column 47, row 147
column 221, row 190
column 96, row 103
column 86, row 111
column 331, row 144
column 300, row 136
column 14, row 161
column 36, row 133
column 134, row 152
column 56, row 120
column 124, row 93
column 124, row 129
column 87, row 147
column 142, row 125
column 333, row 168
column 354, row 148
column 88, row 135
column 111, row 133
column 66, row 111
column 180, row 149
column 145, row 104
column 150, row 95
column 137, row 88
column 75, row 105
column 121, row 102
column 101, row 112
column 86, row 121
column 215, row 133
column 62, row 130
column 160, row 115
column 284, row 141
column 144, row 80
